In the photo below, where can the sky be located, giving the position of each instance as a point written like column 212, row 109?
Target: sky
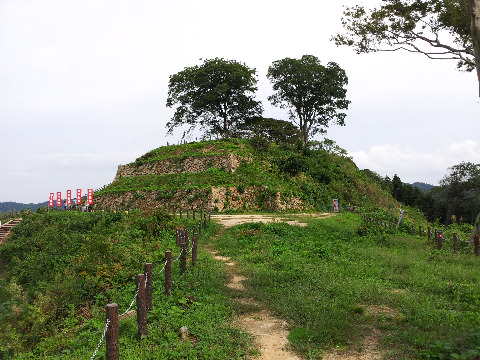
column 83, row 87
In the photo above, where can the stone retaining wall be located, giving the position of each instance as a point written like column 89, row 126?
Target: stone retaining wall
column 218, row 198
column 196, row 164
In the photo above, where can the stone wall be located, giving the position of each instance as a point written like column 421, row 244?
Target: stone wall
column 218, row 198
column 196, row 164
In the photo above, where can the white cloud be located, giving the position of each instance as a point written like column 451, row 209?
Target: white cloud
column 412, row 165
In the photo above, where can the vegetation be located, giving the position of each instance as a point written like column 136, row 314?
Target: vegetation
column 217, row 96
column 336, row 285
column 316, row 174
column 314, row 93
column 439, row 29
column 272, row 130
column 60, row 269
column 456, row 200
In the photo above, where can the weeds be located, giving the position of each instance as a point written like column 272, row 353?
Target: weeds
column 334, row 281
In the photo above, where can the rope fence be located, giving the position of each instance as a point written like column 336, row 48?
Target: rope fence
column 143, row 293
column 436, row 236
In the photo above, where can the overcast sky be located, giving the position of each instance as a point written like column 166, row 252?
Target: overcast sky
column 83, row 86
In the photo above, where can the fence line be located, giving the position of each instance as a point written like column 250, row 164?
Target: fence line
column 143, row 295
column 438, row 238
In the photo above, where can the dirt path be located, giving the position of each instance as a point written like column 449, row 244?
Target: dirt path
column 269, row 332
column 234, row 220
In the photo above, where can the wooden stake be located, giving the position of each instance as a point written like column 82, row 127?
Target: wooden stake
column 111, row 337
column 168, row 272
column 141, row 308
column 148, row 286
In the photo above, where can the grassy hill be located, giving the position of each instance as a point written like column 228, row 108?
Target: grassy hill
column 241, row 175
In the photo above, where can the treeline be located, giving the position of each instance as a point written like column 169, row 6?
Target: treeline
column 15, row 207
column 456, row 199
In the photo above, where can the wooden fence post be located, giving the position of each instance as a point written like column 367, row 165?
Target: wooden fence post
column 455, row 243
column 193, row 213
column 148, row 286
column 429, row 233
column 141, row 308
column 205, row 221
column 183, row 258
column 420, row 231
column 476, row 245
column 200, row 227
column 439, row 240
column 194, row 248
column 188, row 214
column 111, row 337
column 180, row 213
column 168, row 272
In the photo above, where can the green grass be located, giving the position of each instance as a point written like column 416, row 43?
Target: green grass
column 313, row 175
column 330, row 284
column 60, row 269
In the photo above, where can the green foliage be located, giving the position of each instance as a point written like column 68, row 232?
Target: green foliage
column 333, row 285
column 314, row 93
column 60, row 312
column 413, row 26
column 272, row 130
column 316, row 174
column 217, row 96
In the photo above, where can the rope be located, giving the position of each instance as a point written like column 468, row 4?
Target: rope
column 181, row 251
column 190, row 249
column 101, row 339
column 165, row 264
column 131, row 304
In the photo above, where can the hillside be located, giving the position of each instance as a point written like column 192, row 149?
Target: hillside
column 14, row 206
column 235, row 175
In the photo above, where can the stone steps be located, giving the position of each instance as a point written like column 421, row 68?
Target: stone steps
column 5, row 228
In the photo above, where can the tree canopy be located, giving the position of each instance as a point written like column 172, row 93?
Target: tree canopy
column 313, row 93
column 217, row 96
column 278, row 131
column 439, row 29
column 461, row 189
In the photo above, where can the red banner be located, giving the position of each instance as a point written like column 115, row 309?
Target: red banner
column 90, row 196
column 50, row 199
column 69, row 197
column 79, row 196
column 59, row 199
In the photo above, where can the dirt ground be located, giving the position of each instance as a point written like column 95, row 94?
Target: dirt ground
column 234, row 220
column 269, row 332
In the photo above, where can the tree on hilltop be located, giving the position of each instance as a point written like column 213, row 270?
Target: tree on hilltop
column 278, row 131
column 313, row 93
column 438, row 29
column 217, row 96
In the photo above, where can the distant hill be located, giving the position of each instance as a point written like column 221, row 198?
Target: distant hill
column 240, row 175
column 424, row 187
column 14, row 206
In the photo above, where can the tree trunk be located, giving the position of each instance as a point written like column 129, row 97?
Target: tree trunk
column 474, row 6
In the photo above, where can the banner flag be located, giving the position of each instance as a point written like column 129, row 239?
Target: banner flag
column 59, row 199
column 90, row 196
column 50, row 199
column 79, row 196
column 69, row 197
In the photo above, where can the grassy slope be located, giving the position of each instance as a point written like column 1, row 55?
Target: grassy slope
column 61, row 269
column 315, row 176
column 335, row 287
